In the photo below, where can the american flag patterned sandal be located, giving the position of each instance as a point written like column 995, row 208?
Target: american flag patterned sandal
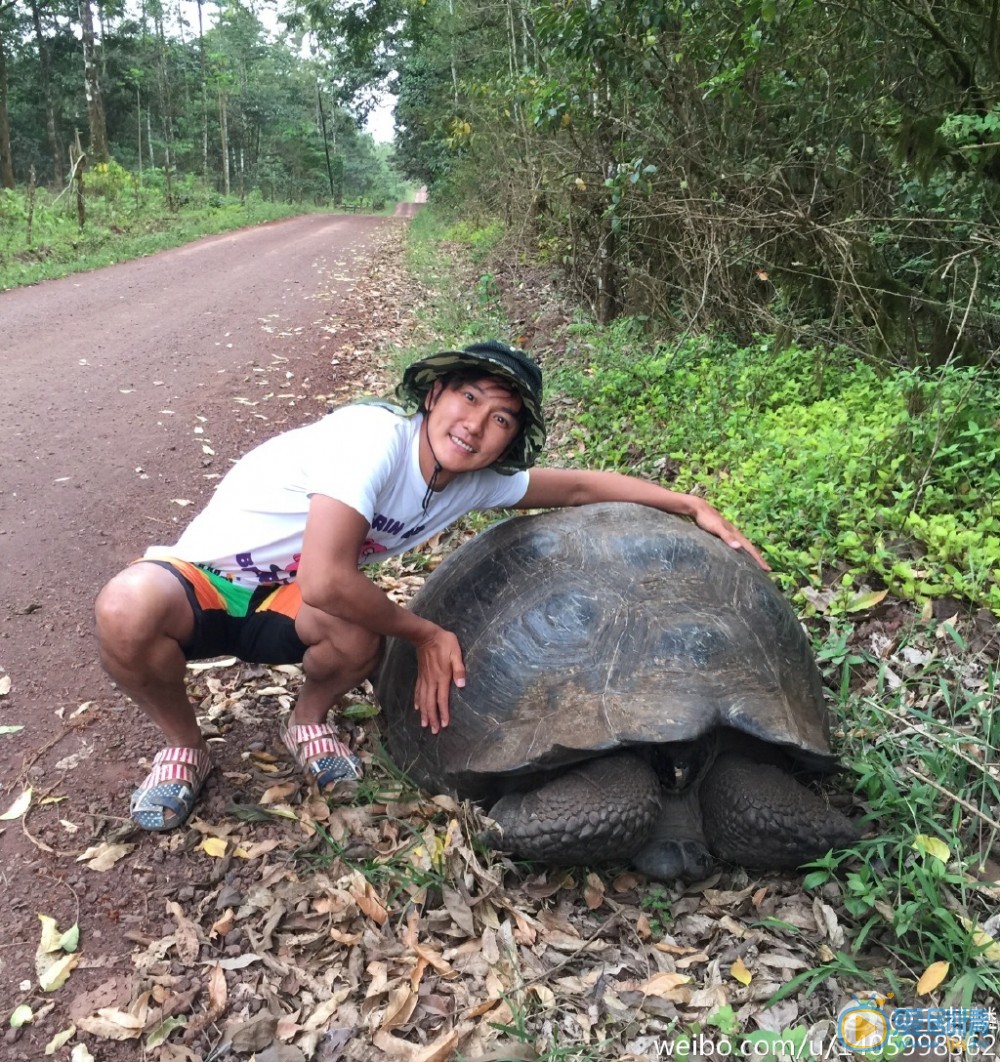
column 318, row 752
column 166, row 797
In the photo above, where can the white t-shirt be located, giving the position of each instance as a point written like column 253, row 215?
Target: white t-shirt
column 364, row 456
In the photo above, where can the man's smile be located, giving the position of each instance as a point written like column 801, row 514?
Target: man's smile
column 461, row 445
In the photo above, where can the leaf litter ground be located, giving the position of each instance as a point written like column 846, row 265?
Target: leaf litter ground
column 368, row 924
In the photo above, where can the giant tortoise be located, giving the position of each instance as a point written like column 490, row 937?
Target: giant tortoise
column 637, row 690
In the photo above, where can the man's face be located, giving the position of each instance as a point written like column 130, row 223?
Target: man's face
column 472, row 423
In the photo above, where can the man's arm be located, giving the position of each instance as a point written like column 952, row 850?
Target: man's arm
column 329, row 579
column 560, row 488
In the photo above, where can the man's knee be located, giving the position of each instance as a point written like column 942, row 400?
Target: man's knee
column 139, row 604
column 335, row 646
column 372, row 657
column 357, row 652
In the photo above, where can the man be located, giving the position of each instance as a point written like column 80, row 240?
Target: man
column 269, row 571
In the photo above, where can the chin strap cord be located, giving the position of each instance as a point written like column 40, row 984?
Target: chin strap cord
column 430, row 486
column 429, row 493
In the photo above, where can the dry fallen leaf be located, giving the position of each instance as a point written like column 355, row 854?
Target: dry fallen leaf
column 593, row 892
column 987, row 947
column 102, row 857
column 112, row 1024
column 932, row 977
column 223, row 924
column 365, row 898
column 54, row 960
column 214, row 846
column 863, row 601
column 401, row 1005
column 275, row 793
column 261, row 848
column 217, row 991
column 664, row 984
column 255, row 1034
column 59, row 1039
column 54, row 940
column 187, row 936
column 739, row 971
column 52, row 974
column 18, row 808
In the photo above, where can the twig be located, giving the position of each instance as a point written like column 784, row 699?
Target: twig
column 992, row 823
column 569, row 958
column 69, row 183
column 926, row 733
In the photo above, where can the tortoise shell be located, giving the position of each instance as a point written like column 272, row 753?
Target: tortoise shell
column 596, row 628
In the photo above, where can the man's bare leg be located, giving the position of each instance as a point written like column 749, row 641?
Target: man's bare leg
column 143, row 618
column 339, row 657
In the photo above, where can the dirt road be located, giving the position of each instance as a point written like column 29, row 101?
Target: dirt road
column 126, row 394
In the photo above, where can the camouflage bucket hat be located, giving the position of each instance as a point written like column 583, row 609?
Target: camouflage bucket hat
column 494, row 359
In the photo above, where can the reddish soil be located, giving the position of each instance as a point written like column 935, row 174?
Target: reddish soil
column 128, row 390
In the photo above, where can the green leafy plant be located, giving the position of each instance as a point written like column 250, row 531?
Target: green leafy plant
column 656, row 903
column 814, row 454
column 919, row 749
column 117, row 229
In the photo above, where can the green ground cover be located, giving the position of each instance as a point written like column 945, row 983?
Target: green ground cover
column 125, row 217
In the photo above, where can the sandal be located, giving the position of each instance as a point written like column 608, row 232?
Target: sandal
column 166, row 797
column 317, row 751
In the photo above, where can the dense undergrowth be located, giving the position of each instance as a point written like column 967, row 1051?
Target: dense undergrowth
column 841, row 473
column 845, row 474
column 874, row 493
column 125, row 217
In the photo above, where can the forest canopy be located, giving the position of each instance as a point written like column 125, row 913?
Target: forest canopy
column 226, row 93
column 820, row 170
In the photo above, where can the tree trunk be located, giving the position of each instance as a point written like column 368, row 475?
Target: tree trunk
column 204, row 96
column 45, row 68
column 92, row 85
column 6, row 162
column 79, row 161
column 166, row 107
column 224, row 133
column 138, row 126
column 337, row 199
column 451, row 51
column 608, row 302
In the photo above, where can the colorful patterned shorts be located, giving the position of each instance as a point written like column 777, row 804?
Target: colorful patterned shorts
column 257, row 625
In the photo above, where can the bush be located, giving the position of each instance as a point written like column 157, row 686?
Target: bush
column 108, row 180
column 823, row 462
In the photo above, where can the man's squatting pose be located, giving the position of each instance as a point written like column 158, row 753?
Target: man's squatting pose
column 269, row 571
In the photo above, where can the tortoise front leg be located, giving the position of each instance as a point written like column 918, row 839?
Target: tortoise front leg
column 598, row 811
column 757, row 815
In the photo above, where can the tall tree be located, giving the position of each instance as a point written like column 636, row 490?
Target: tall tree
column 92, row 84
column 45, row 71
column 6, row 160
column 204, row 91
